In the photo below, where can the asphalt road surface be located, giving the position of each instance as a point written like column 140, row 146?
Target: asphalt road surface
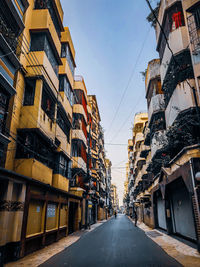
column 116, row 243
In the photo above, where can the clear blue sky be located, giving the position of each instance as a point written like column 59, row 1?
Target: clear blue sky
column 108, row 36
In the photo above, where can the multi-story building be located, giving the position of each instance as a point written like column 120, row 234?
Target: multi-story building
column 11, row 27
column 93, row 138
column 172, row 92
column 114, row 198
column 108, row 204
column 101, row 175
column 137, row 161
column 35, row 188
column 80, row 179
column 176, row 196
column 126, row 198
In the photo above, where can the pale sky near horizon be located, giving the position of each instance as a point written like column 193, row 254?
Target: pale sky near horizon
column 113, row 42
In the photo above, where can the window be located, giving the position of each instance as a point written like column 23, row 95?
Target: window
column 94, row 144
column 48, row 104
column 66, row 53
column 40, row 42
column 77, row 120
column 173, row 19
column 4, row 99
column 48, row 4
column 197, row 18
column 32, row 145
column 80, row 99
column 78, row 123
column 63, row 166
column 93, row 163
column 64, row 123
column 64, row 86
column 29, row 93
column 79, row 149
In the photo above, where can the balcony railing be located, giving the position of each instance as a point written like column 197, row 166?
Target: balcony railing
column 194, row 33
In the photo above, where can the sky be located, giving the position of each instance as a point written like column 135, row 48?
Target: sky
column 113, row 43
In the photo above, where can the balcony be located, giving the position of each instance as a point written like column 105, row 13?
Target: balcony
column 60, row 182
column 159, row 140
column 80, row 84
column 78, row 108
column 64, row 69
column 139, row 138
column 157, row 104
column 79, row 163
column 78, row 134
column 181, row 99
column 153, row 72
column 34, row 169
column 59, row 10
column 41, row 21
column 43, row 67
column 65, row 144
column 63, row 99
column 178, row 41
column 33, row 117
column 144, row 151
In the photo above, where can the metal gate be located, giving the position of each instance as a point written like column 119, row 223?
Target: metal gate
column 161, row 213
column 182, row 214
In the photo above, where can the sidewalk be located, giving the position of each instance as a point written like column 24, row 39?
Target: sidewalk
column 186, row 255
column 36, row 258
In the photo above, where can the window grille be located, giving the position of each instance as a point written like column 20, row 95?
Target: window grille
column 48, row 104
column 40, row 42
column 194, row 30
column 32, row 145
column 3, row 111
column 64, row 124
column 29, row 93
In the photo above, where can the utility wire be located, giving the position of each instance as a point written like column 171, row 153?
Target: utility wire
column 129, row 81
column 125, row 121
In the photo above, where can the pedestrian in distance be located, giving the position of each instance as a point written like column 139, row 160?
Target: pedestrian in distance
column 135, row 217
column 115, row 214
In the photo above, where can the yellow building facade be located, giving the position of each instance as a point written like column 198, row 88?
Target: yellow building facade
column 38, row 160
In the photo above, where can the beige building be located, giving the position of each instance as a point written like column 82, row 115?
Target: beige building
column 170, row 198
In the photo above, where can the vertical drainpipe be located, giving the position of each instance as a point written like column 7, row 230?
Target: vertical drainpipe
column 197, row 220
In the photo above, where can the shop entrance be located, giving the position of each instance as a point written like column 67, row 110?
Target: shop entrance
column 73, row 213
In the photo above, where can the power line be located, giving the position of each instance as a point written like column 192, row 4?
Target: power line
column 125, row 121
column 109, row 144
column 129, row 81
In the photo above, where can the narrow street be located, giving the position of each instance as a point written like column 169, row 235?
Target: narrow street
column 115, row 243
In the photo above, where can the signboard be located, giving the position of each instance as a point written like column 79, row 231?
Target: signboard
column 51, row 210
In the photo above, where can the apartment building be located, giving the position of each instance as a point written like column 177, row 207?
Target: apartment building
column 114, row 198
column 172, row 91
column 93, row 137
column 37, row 166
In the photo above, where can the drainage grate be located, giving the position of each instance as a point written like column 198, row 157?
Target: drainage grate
column 153, row 234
